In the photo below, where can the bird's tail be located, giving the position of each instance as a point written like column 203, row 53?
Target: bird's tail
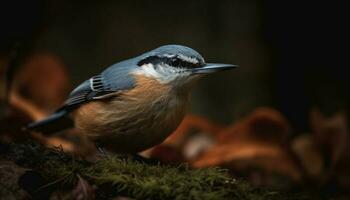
column 54, row 123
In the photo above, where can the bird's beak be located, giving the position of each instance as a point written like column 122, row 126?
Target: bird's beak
column 213, row 67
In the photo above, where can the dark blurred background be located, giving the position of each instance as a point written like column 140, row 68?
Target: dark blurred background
column 293, row 56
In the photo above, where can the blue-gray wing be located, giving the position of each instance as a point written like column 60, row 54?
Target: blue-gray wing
column 110, row 82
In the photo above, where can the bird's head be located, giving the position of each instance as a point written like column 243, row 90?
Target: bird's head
column 176, row 65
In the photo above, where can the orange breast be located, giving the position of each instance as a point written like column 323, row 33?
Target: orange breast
column 136, row 119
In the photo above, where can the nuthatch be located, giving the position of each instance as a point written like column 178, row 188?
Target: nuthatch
column 134, row 104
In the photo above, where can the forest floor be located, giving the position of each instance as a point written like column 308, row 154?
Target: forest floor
column 31, row 170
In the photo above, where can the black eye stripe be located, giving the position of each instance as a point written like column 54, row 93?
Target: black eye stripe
column 172, row 61
column 150, row 59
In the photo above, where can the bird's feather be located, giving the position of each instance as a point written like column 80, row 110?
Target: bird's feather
column 109, row 83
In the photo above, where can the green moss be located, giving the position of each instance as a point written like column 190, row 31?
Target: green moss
column 116, row 175
column 160, row 182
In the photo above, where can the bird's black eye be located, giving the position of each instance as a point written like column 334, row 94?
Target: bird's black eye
column 175, row 62
column 171, row 61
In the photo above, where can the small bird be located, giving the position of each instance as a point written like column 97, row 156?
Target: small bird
column 134, row 104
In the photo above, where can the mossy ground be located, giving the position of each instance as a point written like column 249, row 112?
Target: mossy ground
column 125, row 176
